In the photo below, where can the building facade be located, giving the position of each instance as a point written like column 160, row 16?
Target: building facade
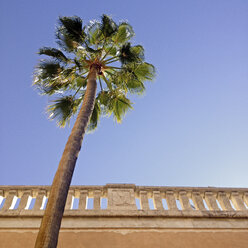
column 126, row 215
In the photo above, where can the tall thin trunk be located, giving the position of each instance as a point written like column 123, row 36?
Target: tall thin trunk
column 51, row 221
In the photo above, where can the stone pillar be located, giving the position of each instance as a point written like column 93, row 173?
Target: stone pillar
column 157, row 200
column 171, row 201
column 144, row 200
column 82, row 199
column 9, row 199
column 198, row 201
column 211, row 201
column 224, row 201
column 39, row 199
column 24, row 199
column 184, row 200
column 97, row 200
column 237, row 201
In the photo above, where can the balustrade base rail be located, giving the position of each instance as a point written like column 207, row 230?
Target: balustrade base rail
column 129, row 200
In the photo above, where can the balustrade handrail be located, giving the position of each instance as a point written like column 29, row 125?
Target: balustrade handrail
column 129, row 198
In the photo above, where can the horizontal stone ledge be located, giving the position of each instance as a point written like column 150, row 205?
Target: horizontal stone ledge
column 131, row 213
column 128, row 223
column 121, row 186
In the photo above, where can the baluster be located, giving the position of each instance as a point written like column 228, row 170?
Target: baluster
column 24, row 199
column 82, row 199
column 184, row 200
column 171, row 201
column 237, row 201
column 9, row 199
column 198, row 201
column 144, row 200
column 97, row 200
column 68, row 204
column 39, row 199
column 157, row 200
column 224, row 201
column 211, row 201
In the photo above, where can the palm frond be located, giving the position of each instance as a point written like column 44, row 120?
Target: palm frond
column 53, row 52
column 68, row 72
column 70, row 33
column 81, row 81
column 72, row 26
column 144, row 71
column 120, row 105
column 108, row 26
column 130, row 54
column 135, row 86
column 114, row 102
column 94, row 119
column 48, row 69
column 112, row 51
column 127, row 80
column 95, row 35
column 108, row 83
column 62, row 109
column 138, row 51
column 50, row 87
column 65, row 42
column 124, row 33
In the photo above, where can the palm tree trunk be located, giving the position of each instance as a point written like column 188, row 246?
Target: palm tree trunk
column 51, row 221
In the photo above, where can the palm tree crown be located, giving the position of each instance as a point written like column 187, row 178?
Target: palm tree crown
column 106, row 46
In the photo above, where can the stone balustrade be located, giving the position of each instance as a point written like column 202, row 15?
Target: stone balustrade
column 129, row 200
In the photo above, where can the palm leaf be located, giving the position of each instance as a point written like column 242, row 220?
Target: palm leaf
column 81, row 81
column 130, row 54
column 72, row 27
column 48, row 69
column 62, row 109
column 50, row 87
column 120, row 105
column 127, row 80
column 144, row 71
column 114, row 102
column 94, row 119
column 124, row 33
column 95, row 35
column 135, row 86
column 70, row 33
column 108, row 26
column 53, row 52
column 65, row 42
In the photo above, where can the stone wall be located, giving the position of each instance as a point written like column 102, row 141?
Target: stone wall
column 124, row 215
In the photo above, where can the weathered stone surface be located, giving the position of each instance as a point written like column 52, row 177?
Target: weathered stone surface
column 197, row 199
column 157, row 200
column 184, row 200
column 122, row 225
column 144, row 200
column 121, row 199
column 237, row 201
column 39, row 199
column 224, row 201
column 211, row 201
column 171, row 200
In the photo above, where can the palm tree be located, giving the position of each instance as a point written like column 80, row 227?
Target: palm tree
column 99, row 53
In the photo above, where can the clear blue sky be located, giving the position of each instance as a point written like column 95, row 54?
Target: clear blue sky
column 191, row 127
